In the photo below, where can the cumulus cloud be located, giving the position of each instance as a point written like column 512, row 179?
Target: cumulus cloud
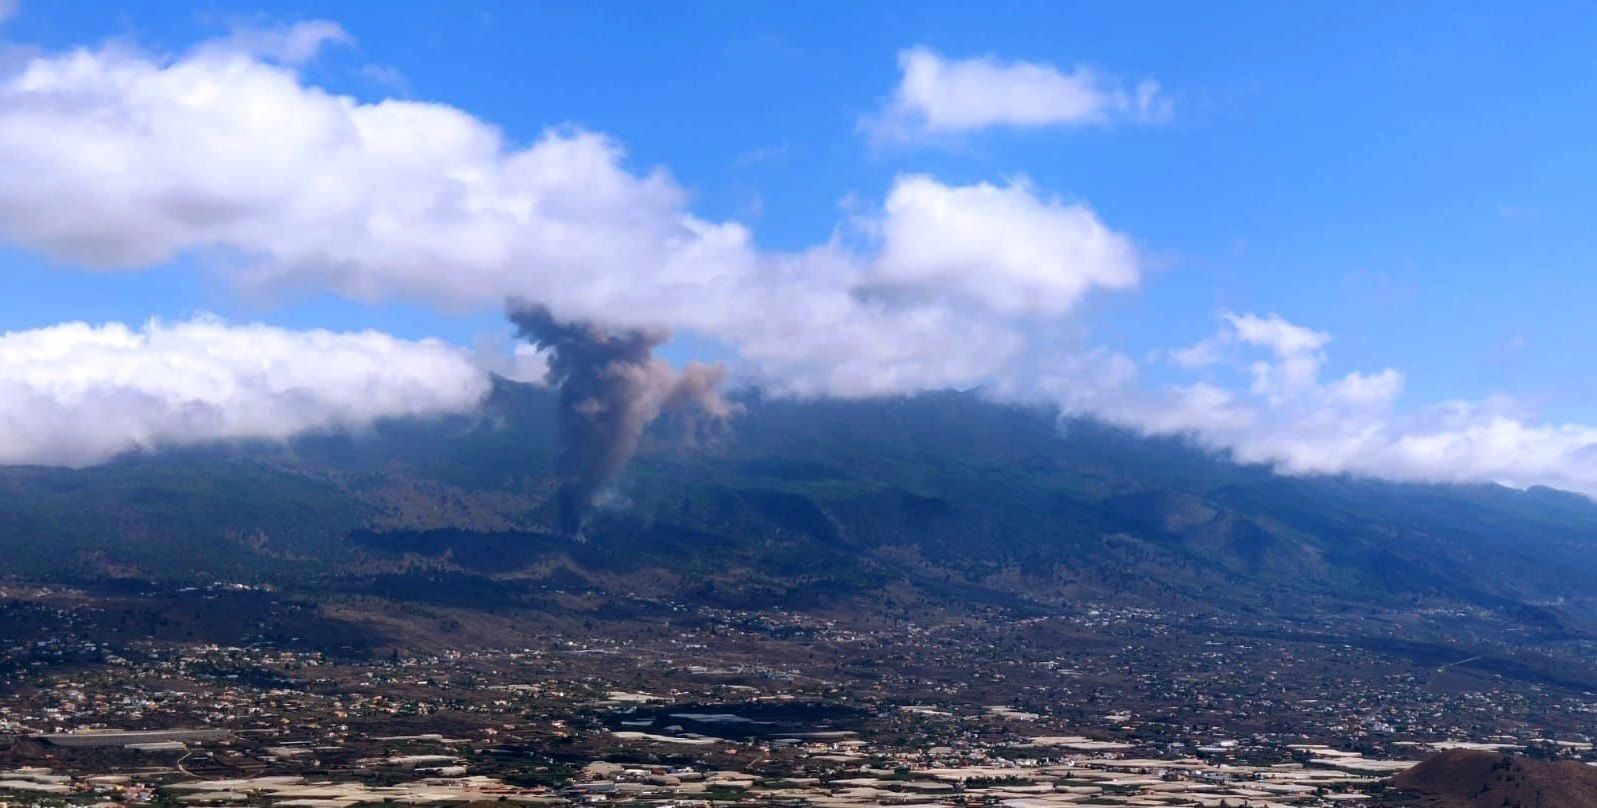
column 1001, row 247
column 77, row 394
column 1295, row 420
column 1295, row 357
column 120, row 159
column 941, row 96
column 1280, row 337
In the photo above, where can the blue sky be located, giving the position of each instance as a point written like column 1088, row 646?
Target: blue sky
column 1413, row 180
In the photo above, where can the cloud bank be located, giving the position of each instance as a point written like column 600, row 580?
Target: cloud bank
column 938, row 96
column 122, row 160
column 77, row 394
column 119, row 159
column 1289, row 416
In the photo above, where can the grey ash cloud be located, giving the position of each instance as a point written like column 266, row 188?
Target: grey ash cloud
column 611, row 387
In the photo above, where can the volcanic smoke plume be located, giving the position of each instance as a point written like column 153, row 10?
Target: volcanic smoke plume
column 611, row 388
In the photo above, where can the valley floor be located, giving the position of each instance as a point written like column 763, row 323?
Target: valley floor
column 356, row 700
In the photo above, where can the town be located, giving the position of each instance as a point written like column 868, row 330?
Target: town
column 1100, row 706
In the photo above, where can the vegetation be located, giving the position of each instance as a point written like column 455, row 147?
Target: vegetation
column 799, row 504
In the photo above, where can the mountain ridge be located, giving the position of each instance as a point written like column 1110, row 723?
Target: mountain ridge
column 827, row 495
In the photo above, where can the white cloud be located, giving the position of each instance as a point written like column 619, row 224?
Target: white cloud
column 1200, row 354
column 1368, row 389
column 1296, row 353
column 1004, row 248
column 1298, row 423
column 77, row 394
column 293, row 44
column 940, row 96
column 1282, row 338
column 518, row 361
column 119, row 159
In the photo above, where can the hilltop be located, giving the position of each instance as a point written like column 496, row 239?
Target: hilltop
column 1470, row 779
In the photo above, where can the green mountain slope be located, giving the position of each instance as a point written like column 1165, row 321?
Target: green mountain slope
column 804, row 504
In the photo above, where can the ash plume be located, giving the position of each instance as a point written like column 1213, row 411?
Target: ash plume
column 611, row 388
